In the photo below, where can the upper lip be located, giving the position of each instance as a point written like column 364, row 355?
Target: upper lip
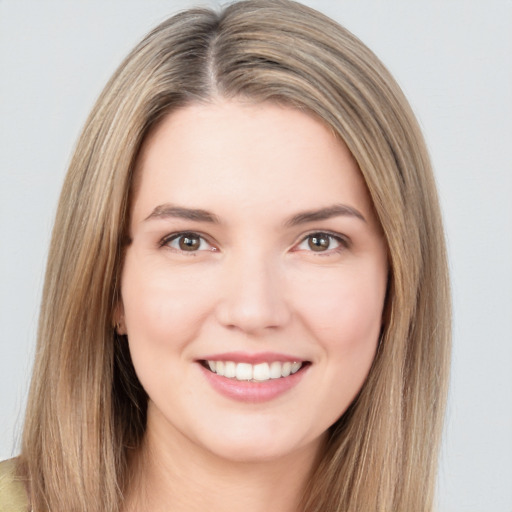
column 244, row 357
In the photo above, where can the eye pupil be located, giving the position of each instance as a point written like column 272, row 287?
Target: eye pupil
column 318, row 242
column 189, row 242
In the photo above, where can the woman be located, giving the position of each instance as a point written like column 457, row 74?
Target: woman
column 246, row 297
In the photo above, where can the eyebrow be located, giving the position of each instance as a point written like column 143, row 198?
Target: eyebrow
column 336, row 210
column 164, row 211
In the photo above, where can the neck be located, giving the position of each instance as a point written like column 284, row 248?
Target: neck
column 173, row 470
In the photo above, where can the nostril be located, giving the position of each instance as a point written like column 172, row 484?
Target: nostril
column 251, row 317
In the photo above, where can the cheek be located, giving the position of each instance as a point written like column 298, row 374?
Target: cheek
column 342, row 315
column 344, row 312
column 163, row 313
column 161, row 307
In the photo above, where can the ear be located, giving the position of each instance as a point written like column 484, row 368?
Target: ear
column 118, row 322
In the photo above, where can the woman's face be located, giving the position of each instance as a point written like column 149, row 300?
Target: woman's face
column 253, row 288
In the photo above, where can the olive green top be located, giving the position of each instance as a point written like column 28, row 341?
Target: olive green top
column 13, row 497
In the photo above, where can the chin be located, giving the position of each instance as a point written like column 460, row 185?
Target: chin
column 259, row 443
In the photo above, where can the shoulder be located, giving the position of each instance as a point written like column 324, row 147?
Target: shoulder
column 13, row 497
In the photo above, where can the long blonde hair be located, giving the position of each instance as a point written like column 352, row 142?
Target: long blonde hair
column 86, row 408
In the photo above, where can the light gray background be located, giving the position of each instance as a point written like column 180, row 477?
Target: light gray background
column 452, row 58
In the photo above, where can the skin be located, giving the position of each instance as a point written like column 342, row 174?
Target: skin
column 254, row 284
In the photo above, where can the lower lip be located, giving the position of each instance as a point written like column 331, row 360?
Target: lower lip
column 252, row 392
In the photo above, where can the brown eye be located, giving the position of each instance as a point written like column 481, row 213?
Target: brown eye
column 322, row 242
column 319, row 242
column 187, row 242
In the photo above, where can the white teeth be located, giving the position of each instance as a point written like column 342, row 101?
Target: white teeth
column 244, row 371
column 275, row 370
column 259, row 372
column 295, row 367
column 229, row 369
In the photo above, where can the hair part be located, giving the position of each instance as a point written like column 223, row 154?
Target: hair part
column 87, row 410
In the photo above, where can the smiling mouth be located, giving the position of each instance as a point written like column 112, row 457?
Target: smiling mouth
column 260, row 372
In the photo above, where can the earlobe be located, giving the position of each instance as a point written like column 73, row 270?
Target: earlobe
column 120, row 328
column 118, row 322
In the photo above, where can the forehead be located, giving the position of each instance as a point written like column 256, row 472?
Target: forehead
column 229, row 152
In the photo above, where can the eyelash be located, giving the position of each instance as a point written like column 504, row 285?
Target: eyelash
column 343, row 242
column 176, row 236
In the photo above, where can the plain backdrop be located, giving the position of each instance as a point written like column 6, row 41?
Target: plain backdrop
column 454, row 62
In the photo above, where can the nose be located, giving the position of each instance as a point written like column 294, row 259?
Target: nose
column 252, row 296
